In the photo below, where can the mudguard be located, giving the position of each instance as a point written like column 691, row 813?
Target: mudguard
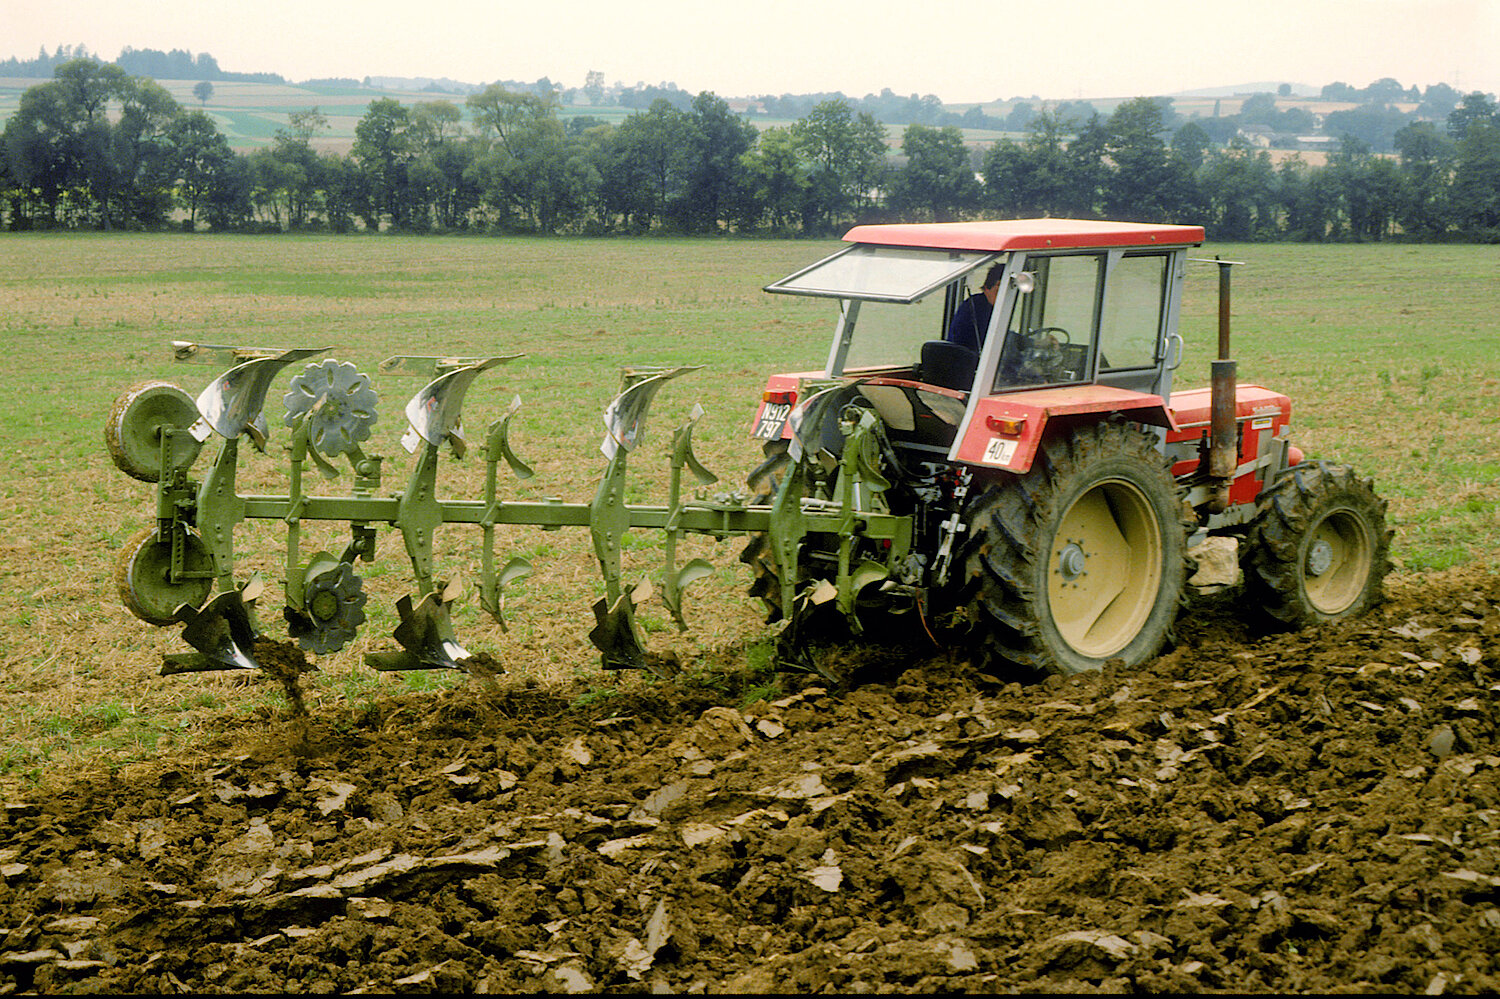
column 1004, row 431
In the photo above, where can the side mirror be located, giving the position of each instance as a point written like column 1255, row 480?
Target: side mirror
column 1024, row 282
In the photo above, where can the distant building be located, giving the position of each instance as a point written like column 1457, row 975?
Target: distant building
column 1258, row 136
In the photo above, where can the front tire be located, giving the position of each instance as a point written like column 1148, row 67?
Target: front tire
column 1079, row 561
column 1319, row 549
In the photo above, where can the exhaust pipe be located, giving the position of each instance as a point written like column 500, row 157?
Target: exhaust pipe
column 1224, row 446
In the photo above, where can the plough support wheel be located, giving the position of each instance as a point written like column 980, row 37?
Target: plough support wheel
column 139, row 421
column 144, row 579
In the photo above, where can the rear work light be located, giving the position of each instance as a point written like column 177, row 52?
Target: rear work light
column 784, row 398
column 1010, row 426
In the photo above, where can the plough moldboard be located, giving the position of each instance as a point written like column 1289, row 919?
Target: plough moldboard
column 182, row 568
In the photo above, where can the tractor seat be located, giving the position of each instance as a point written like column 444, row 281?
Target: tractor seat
column 948, row 365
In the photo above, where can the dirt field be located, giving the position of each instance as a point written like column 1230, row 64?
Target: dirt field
column 1306, row 813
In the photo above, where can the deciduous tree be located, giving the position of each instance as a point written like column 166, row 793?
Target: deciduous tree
column 1476, row 181
column 1146, row 184
column 776, row 180
column 1426, row 166
column 1034, row 177
column 299, row 180
column 143, row 161
column 647, row 163
column 938, row 180
column 382, row 149
column 717, row 139
column 201, row 157
column 1240, row 189
column 1475, row 107
column 843, row 152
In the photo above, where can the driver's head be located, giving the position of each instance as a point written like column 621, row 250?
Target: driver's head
column 991, row 286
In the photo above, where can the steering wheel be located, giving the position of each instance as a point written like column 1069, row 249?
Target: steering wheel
column 1042, row 359
column 1038, row 356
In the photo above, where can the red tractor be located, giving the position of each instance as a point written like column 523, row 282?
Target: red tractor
column 1048, row 486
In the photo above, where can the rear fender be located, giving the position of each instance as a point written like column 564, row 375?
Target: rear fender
column 1004, row 431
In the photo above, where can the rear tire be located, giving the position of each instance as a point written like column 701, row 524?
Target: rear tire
column 1080, row 561
column 1319, row 549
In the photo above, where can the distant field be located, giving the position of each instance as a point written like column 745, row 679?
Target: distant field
column 249, row 114
column 1390, row 353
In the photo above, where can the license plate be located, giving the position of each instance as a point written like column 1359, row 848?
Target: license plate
column 1000, row 451
column 772, row 421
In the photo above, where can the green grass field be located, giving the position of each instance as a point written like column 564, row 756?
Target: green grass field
column 1391, row 355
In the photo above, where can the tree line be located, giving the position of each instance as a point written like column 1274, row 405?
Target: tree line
column 177, row 64
column 96, row 147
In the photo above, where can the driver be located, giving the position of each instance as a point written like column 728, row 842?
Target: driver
column 971, row 320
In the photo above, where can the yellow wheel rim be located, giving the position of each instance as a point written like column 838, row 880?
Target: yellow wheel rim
column 1104, row 570
column 1337, row 563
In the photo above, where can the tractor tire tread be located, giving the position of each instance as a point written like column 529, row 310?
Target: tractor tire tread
column 1272, row 552
column 1007, row 546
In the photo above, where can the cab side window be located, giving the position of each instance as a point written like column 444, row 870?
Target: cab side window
column 1130, row 327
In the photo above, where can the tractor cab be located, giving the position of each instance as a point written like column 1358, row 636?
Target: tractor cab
column 1085, row 314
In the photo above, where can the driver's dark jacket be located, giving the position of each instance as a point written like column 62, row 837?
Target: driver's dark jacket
column 970, row 322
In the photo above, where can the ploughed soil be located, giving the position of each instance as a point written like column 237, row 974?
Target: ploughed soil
column 1295, row 813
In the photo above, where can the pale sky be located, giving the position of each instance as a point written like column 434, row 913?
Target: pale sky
column 970, row 51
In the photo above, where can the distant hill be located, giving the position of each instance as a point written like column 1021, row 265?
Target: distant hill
column 1245, row 89
column 424, row 84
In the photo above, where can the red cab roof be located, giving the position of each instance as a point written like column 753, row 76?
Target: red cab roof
column 1025, row 234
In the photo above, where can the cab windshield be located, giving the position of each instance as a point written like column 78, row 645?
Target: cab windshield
column 1050, row 330
column 880, row 273
column 1050, row 333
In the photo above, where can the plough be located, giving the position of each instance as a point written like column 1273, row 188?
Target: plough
column 167, row 574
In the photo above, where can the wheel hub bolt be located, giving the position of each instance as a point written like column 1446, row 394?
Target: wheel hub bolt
column 324, row 605
column 1319, row 557
column 1071, row 561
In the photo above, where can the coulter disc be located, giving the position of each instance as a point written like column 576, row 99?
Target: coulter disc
column 339, row 403
column 334, row 608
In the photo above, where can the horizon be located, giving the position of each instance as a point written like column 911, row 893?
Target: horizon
column 1082, row 48
column 1299, row 90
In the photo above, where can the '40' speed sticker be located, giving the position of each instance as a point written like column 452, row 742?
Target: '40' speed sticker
column 1000, row 451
